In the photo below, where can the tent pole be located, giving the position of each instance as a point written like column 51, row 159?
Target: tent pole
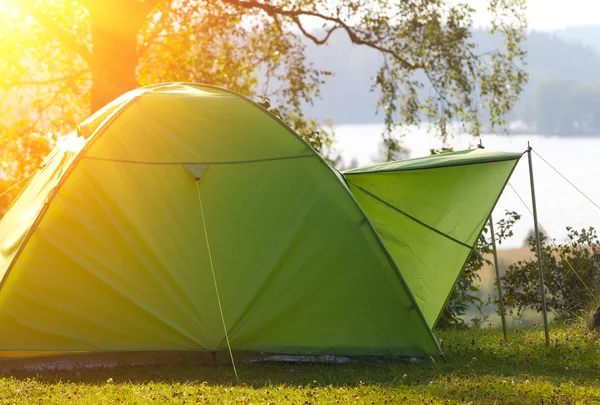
column 500, row 298
column 539, row 249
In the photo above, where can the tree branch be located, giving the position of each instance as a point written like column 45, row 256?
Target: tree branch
column 313, row 38
column 296, row 13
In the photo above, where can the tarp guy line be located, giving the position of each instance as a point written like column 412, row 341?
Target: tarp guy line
column 215, row 279
column 555, row 245
column 567, row 180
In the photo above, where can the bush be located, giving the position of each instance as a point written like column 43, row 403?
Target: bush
column 568, row 295
column 466, row 292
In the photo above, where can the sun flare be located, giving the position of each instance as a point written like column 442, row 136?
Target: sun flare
column 7, row 6
column 9, row 13
column 16, row 27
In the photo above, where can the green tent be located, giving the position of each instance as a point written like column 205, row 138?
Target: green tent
column 186, row 217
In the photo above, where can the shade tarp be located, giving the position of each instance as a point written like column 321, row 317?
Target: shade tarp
column 429, row 213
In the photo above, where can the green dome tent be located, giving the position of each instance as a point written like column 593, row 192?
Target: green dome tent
column 185, row 217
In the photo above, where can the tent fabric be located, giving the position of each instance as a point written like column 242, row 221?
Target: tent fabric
column 105, row 248
column 429, row 213
column 457, row 158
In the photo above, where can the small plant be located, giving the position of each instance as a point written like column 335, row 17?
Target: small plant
column 481, row 319
column 571, row 276
column 465, row 294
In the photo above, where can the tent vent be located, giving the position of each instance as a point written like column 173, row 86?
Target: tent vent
column 196, row 170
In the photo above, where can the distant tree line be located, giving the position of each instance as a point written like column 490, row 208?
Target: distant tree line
column 564, row 107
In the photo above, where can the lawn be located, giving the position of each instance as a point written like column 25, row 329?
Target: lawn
column 480, row 368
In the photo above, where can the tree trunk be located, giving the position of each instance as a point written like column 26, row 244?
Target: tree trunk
column 114, row 49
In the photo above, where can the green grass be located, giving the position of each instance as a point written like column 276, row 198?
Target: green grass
column 480, row 368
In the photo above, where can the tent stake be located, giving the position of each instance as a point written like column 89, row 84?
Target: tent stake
column 500, row 298
column 539, row 249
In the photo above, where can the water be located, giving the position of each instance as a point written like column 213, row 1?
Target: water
column 559, row 204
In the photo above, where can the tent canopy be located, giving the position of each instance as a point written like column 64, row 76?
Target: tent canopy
column 429, row 212
column 182, row 214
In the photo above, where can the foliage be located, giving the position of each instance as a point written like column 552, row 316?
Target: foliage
column 465, row 293
column 61, row 59
column 550, row 56
column 441, row 150
column 481, row 319
column 569, row 291
column 479, row 368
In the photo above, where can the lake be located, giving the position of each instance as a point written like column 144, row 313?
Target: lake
column 559, row 204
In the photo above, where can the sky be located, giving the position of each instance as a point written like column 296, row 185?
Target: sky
column 550, row 14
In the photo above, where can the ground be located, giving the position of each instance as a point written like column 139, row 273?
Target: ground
column 480, row 368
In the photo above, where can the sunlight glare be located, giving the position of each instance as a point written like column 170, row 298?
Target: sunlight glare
column 8, row 12
column 71, row 143
column 7, row 6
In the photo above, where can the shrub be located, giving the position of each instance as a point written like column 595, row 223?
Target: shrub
column 466, row 292
column 569, row 291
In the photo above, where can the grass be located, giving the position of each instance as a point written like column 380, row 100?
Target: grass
column 480, row 368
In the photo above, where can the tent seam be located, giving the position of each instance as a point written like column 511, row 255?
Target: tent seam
column 418, row 221
column 233, row 162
